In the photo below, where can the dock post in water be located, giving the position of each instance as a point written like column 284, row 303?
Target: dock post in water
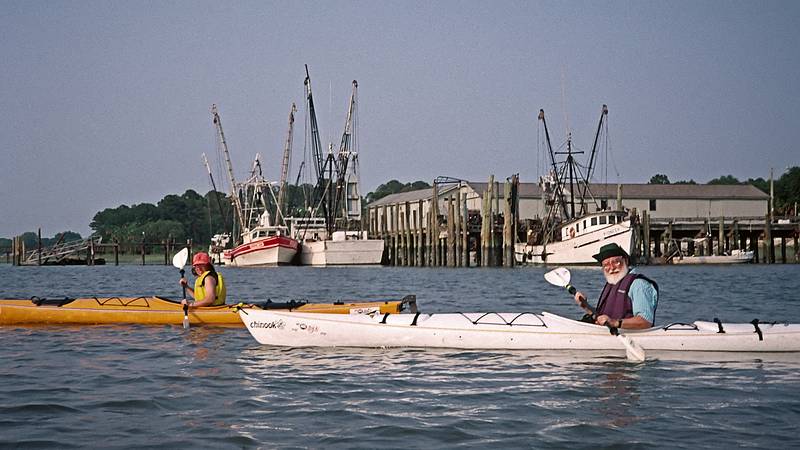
column 451, row 231
column 769, row 245
column 420, row 235
column 465, row 231
column 395, row 236
column 646, row 237
column 457, row 230
column 783, row 250
column 508, row 243
column 721, row 246
column 387, row 239
column 408, row 236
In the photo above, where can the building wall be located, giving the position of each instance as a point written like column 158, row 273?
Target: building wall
column 698, row 208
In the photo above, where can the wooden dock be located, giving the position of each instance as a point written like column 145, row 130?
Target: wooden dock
column 447, row 233
column 720, row 235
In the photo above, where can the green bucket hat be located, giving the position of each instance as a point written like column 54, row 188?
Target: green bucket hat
column 609, row 250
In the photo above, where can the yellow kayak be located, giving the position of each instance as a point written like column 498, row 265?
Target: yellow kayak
column 164, row 311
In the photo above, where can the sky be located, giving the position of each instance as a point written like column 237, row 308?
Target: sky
column 108, row 102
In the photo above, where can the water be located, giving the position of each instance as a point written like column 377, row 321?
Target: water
column 137, row 386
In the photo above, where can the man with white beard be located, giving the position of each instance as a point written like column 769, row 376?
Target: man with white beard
column 629, row 299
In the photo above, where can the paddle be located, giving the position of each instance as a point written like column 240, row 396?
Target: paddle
column 179, row 260
column 560, row 276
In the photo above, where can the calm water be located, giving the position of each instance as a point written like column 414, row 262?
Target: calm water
column 135, row 386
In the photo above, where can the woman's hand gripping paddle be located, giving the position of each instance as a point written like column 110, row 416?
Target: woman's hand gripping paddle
column 560, row 276
column 179, row 261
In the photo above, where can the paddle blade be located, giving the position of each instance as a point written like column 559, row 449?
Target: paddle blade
column 559, row 276
column 633, row 351
column 180, row 258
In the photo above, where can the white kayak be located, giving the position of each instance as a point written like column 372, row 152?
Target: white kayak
column 513, row 331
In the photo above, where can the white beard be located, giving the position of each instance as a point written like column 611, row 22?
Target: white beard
column 614, row 278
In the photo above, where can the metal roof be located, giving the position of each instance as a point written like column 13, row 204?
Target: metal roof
column 602, row 190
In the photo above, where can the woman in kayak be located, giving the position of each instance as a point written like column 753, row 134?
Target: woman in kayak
column 209, row 287
column 629, row 299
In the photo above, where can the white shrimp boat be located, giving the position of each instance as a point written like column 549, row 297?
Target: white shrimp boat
column 343, row 248
column 576, row 226
column 264, row 245
column 580, row 239
column 261, row 243
column 509, row 331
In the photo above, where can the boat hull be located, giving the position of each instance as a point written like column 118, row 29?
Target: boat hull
column 268, row 252
column 341, row 253
column 578, row 250
column 161, row 311
column 506, row 331
column 736, row 258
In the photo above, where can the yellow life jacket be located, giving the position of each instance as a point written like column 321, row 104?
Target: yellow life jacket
column 200, row 289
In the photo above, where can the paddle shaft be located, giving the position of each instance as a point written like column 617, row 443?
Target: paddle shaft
column 183, row 272
column 185, row 305
column 571, row 289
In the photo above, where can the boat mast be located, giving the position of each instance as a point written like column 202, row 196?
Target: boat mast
column 559, row 188
column 234, row 193
column 287, row 153
column 324, row 189
column 347, row 179
column 214, row 186
column 570, row 162
column 603, row 114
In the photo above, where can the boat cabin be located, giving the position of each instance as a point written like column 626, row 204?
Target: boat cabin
column 591, row 223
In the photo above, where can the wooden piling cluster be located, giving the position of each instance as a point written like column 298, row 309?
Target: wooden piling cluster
column 718, row 236
column 437, row 232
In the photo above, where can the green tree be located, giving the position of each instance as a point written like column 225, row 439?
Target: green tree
column 787, row 190
column 393, row 187
column 725, row 179
column 685, row 182
column 658, row 178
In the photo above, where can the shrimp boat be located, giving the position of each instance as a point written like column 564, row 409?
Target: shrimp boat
column 571, row 233
column 332, row 234
column 580, row 239
column 261, row 243
column 342, row 248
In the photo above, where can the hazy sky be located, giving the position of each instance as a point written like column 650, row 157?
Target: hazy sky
column 107, row 103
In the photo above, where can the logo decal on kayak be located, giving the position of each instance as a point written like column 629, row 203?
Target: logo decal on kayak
column 367, row 310
column 279, row 324
column 311, row 329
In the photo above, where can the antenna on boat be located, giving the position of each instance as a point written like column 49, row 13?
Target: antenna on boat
column 564, row 101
